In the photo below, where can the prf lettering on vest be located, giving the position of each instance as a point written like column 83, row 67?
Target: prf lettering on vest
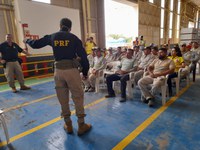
column 61, row 42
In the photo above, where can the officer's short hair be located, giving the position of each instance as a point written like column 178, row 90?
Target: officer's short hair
column 65, row 22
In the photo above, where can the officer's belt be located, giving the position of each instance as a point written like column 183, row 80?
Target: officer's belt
column 11, row 60
column 65, row 64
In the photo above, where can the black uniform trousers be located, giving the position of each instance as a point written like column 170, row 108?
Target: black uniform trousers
column 116, row 77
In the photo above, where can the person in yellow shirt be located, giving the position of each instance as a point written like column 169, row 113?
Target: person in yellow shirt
column 89, row 45
column 179, row 63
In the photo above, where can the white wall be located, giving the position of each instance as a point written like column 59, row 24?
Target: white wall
column 43, row 19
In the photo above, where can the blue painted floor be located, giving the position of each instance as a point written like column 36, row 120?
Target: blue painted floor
column 176, row 128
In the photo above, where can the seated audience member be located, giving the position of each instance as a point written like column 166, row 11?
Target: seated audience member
column 183, row 48
column 158, row 69
column 195, row 47
column 178, row 50
column 137, row 53
column 187, row 55
column 191, row 58
column 109, row 56
column 118, row 54
column 91, row 57
column 127, row 66
column 146, row 59
column 104, row 52
column 98, row 64
column 154, row 52
column 124, row 51
column 179, row 63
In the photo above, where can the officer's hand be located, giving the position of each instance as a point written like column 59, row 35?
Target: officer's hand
column 2, row 61
column 28, row 54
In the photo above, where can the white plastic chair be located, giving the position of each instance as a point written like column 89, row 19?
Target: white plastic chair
column 164, row 91
column 177, row 80
column 129, row 85
column 99, row 78
column 3, row 122
column 101, row 74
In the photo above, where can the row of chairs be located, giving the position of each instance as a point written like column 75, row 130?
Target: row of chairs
column 100, row 77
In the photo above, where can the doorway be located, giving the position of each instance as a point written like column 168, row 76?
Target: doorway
column 121, row 22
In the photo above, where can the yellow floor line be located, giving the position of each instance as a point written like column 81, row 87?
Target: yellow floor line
column 34, row 77
column 14, row 138
column 28, row 103
column 128, row 139
column 49, row 80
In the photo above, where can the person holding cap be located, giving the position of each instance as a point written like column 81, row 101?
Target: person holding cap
column 66, row 47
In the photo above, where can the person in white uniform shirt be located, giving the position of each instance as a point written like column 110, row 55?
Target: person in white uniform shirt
column 191, row 57
column 99, row 63
column 118, row 54
column 109, row 56
column 146, row 59
column 127, row 65
column 91, row 57
column 137, row 53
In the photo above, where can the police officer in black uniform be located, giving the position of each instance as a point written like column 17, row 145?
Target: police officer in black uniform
column 10, row 60
column 66, row 47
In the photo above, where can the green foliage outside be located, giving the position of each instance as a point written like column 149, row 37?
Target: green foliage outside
column 117, row 36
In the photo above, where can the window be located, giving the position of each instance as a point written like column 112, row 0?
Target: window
column 170, row 33
column 161, row 33
column 151, row 1
column 162, row 19
column 43, row 1
column 197, row 17
column 179, row 7
column 163, row 3
column 178, row 26
column 171, row 5
column 191, row 24
column 178, row 19
column 171, row 18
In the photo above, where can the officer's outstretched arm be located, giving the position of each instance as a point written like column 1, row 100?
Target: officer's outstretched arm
column 46, row 40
